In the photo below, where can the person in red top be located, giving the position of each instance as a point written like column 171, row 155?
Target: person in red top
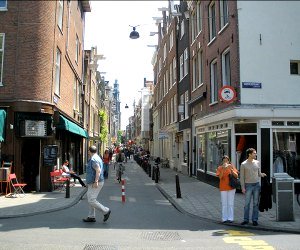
column 106, row 160
column 227, row 192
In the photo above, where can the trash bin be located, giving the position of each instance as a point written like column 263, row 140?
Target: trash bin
column 283, row 196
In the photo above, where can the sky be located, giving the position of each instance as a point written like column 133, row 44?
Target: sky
column 127, row 60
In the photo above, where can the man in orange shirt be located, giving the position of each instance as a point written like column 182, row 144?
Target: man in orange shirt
column 227, row 192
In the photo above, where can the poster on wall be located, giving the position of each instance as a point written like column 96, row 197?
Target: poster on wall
column 50, row 154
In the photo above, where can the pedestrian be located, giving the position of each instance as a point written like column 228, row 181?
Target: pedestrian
column 250, row 174
column 106, row 163
column 66, row 172
column 95, row 182
column 227, row 192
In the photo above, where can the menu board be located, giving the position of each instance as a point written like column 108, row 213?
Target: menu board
column 50, row 155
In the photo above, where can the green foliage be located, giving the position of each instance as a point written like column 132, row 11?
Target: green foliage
column 103, row 126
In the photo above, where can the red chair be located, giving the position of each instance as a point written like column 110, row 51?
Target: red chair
column 18, row 187
column 57, row 180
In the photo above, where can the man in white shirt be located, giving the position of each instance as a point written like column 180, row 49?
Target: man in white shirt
column 68, row 173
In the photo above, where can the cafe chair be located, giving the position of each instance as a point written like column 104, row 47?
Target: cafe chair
column 57, row 180
column 17, row 187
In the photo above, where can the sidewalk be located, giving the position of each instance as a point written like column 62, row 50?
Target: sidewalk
column 198, row 199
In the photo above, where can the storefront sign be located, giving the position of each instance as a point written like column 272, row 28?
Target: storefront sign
column 251, row 85
column 163, row 135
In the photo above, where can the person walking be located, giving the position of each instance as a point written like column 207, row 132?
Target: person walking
column 250, row 174
column 95, row 182
column 106, row 160
column 227, row 192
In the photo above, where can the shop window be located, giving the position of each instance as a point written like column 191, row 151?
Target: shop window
column 201, row 152
column 217, row 146
column 286, row 150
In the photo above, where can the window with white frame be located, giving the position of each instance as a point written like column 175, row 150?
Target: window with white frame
column 76, row 94
column 199, row 18
column 60, row 13
column 186, row 105
column 182, row 29
column 167, row 81
column 165, row 88
column 181, row 67
column 77, row 49
column 182, row 106
column 226, row 69
column 171, row 40
column 57, row 72
column 212, row 20
column 167, row 113
column 295, row 67
column 174, row 71
column 172, row 109
column 175, row 108
column 3, row 5
column 213, row 82
column 2, row 38
column 193, row 24
column 223, row 12
column 200, row 66
column 171, row 75
column 186, row 62
column 195, row 72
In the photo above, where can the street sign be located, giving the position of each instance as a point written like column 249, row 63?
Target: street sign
column 227, row 94
column 163, row 135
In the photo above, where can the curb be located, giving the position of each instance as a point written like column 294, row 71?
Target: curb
column 75, row 201
column 180, row 209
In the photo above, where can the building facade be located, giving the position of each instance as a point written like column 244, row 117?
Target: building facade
column 40, row 87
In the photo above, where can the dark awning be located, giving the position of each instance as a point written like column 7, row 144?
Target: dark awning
column 2, row 124
column 68, row 125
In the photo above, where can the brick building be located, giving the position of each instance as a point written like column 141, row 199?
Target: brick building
column 41, row 63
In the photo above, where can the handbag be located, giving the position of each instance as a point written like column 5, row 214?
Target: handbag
column 234, row 182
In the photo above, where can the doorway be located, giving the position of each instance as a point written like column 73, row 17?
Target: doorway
column 30, row 159
column 243, row 142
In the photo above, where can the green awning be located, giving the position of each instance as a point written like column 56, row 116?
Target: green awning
column 2, row 124
column 68, row 125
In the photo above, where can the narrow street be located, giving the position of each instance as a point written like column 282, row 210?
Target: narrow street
column 147, row 220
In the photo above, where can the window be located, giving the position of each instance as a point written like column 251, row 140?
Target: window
column 165, row 52
column 172, row 109
column 186, row 62
column 2, row 36
column 223, row 12
column 294, row 67
column 57, row 72
column 171, row 40
column 212, row 20
column 3, row 5
column 181, row 29
column 186, row 105
column 181, row 67
column 60, row 13
column 199, row 18
column 226, row 76
column 175, row 108
column 174, row 71
column 182, row 106
column 201, row 152
column 76, row 95
column 193, row 23
column 77, row 49
column 171, row 75
column 197, row 70
column 167, row 81
column 200, row 67
column 213, row 82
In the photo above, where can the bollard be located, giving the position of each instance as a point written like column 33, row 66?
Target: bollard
column 123, row 190
column 68, row 188
column 149, row 170
column 156, row 174
column 178, row 192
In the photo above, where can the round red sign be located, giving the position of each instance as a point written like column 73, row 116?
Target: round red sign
column 227, row 94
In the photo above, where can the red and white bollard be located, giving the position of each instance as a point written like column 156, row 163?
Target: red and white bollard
column 123, row 190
